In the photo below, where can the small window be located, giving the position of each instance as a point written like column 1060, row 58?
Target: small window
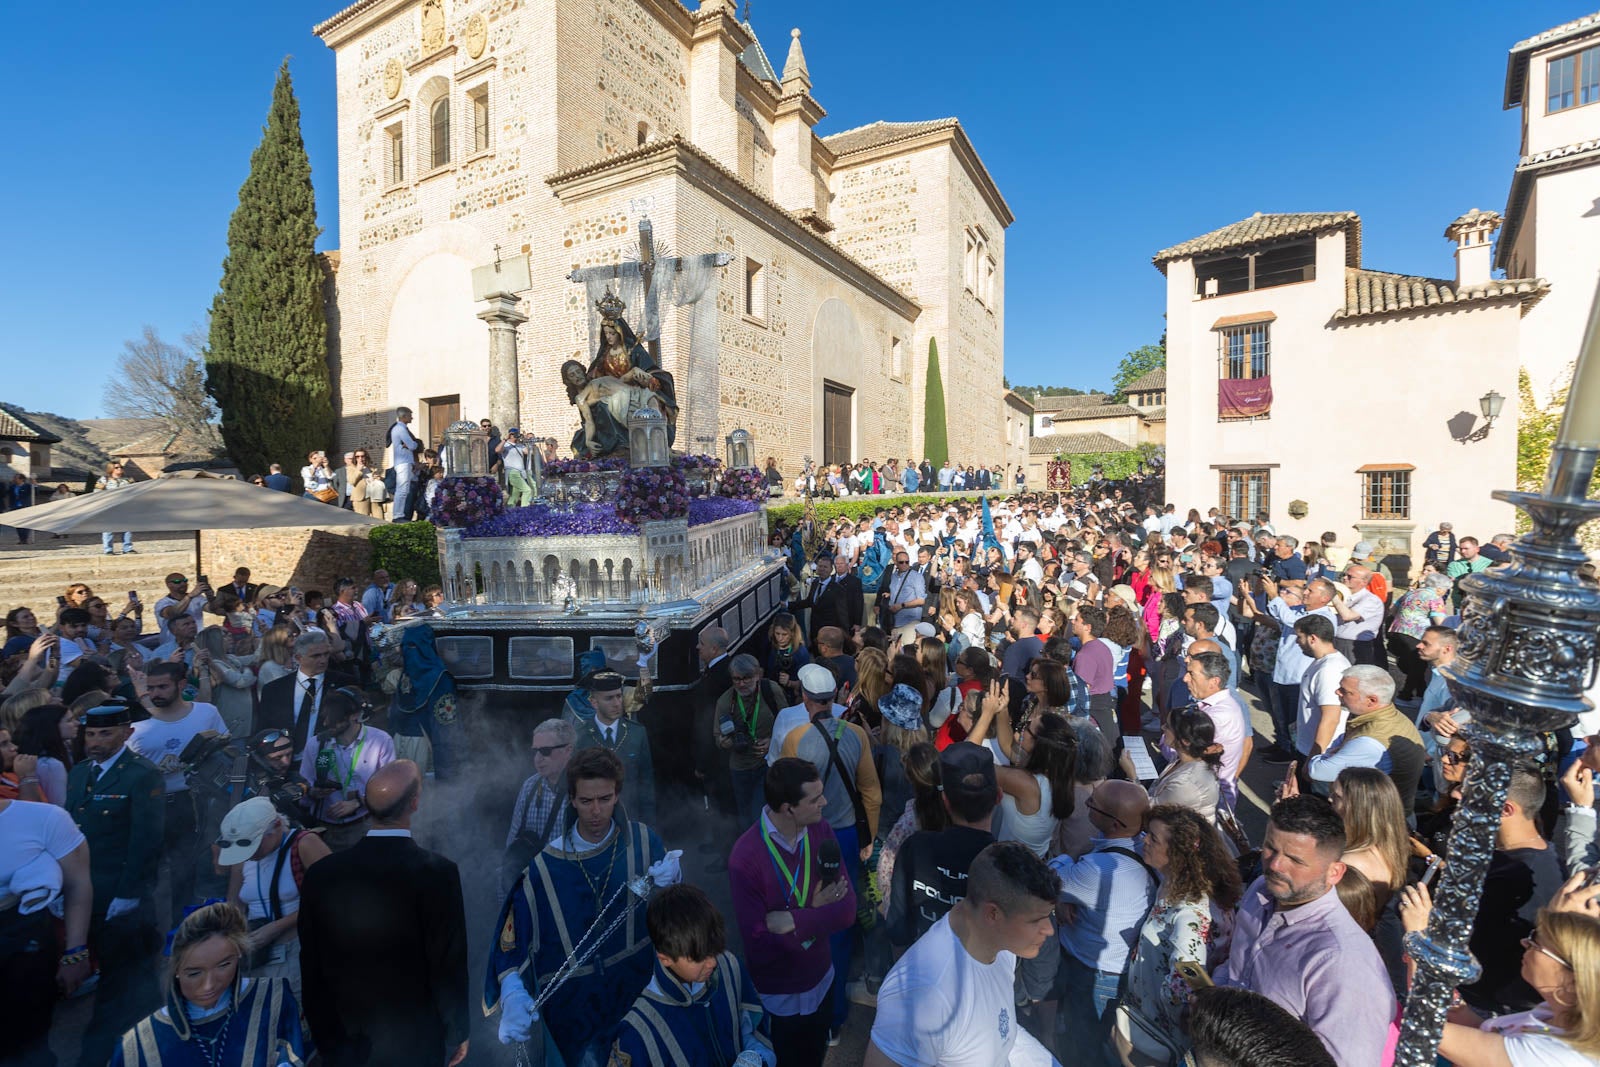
column 395, row 164
column 755, row 290
column 644, row 134
column 897, row 359
column 439, row 131
column 1573, row 80
column 986, row 282
column 1283, row 264
column 479, row 99
column 969, row 264
column 1386, row 494
column 1245, row 492
column 1245, row 351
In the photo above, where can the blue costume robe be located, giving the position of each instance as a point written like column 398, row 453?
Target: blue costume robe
column 557, row 902
column 669, row 1026
column 260, row 1028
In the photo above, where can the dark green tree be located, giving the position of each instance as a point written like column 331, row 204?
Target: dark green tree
column 267, row 356
column 1137, row 364
column 936, row 438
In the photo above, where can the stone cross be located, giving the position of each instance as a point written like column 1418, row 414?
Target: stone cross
column 647, row 264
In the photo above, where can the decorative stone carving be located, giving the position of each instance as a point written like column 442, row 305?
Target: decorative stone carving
column 393, row 74
column 432, row 26
column 477, row 36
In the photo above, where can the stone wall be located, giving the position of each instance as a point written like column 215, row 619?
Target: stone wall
column 309, row 557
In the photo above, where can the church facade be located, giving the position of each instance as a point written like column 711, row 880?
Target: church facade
column 472, row 131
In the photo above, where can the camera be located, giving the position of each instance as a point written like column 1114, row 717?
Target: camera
column 737, row 738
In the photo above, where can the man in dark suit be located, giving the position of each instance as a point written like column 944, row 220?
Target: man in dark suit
column 117, row 798
column 710, row 761
column 383, row 942
column 242, row 587
column 291, row 703
column 835, row 598
column 849, row 584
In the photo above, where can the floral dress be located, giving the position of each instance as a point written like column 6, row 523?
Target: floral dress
column 1174, row 931
column 1415, row 612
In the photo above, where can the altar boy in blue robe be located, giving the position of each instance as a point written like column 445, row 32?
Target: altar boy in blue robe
column 569, row 893
column 700, row 1006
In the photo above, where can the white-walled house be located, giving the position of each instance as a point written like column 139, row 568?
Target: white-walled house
column 1294, row 373
column 1552, row 216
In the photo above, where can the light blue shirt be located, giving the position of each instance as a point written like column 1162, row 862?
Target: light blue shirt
column 904, row 586
column 1292, row 663
column 910, row 479
column 1360, row 752
column 1112, row 892
column 1434, row 698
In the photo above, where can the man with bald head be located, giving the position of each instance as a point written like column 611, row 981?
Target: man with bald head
column 1104, row 898
column 1360, row 618
column 383, row 941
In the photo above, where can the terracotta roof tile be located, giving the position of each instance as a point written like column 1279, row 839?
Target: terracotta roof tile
column 877, row 134
column 1155, row 414
column 1375, row 292
column 1102, row 411
column 1076, row 400
column 1075, row 444
column 1148, row 381
column 1261, row 229
column 1522, row 51
column 14, row 428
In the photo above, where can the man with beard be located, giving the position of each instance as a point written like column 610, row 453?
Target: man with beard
column 161, row 739
column 1297, row 945
column 578, row 884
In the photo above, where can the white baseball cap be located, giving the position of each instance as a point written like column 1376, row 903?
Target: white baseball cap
column 243, row 828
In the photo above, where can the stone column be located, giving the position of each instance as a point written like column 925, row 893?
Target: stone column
column 503, row 317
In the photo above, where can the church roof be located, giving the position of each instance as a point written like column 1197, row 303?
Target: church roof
column 1374, row 292
column 755, row 57
column 1261, row 229
column 880, row 133
column 1149, row 381
column 1522, row 52
column 1072, row 444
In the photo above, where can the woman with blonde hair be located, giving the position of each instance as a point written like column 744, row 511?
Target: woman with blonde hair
column 1376, row 840
column 276, row 655
column 786, row 654
column 935, row 660
column 1561, row 961
column 405, row 602
column 213, row 1014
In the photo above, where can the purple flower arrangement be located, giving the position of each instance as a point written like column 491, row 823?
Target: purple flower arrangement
column 744, row 483
column 584, row 466
column 712, row 508
column 649, row 494
column 466, row 502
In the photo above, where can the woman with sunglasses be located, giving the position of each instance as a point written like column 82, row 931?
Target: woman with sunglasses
column 1561, row 961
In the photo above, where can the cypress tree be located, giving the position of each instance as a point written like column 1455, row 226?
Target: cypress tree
column 267, row 357
column 936, row 438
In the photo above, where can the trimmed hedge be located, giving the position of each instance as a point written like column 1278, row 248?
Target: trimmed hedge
column 863, row 507
column 1115, row 466
column 407, row 550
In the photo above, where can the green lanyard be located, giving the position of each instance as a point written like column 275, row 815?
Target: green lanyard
column 748, row 720
column 783, row 868
column 355, row 757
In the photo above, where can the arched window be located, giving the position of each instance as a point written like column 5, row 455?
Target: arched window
column 439, row 131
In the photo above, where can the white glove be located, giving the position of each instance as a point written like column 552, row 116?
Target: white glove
column 517, row 1015
column 665, row 871
column 121, row 906
column 749, row 1058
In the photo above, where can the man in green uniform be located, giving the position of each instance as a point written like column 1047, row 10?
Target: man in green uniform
column 116, row 797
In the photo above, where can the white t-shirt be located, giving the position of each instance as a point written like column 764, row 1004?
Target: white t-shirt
column 1532, row 1042
column 197, row 608
column 28, row 831
column 940, row 1007
column 161, row 742
column 1319, row 687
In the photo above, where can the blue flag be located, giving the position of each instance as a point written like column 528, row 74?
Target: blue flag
column 989, row 540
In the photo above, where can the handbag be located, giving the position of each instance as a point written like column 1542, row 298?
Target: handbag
column 327, row 494
column 1150, row 1043
column 863, row 824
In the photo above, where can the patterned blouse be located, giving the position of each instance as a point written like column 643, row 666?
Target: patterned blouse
column 1173, row 932
column 1415, row 612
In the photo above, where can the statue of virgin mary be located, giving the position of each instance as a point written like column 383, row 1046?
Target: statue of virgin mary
column 621, row 379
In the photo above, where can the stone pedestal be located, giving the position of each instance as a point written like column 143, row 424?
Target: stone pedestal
column 503, row 317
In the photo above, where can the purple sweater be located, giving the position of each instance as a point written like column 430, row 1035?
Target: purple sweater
column 778, row 963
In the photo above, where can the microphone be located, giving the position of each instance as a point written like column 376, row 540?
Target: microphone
column 830, row 861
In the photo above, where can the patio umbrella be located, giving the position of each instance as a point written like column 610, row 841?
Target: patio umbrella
column 193, row 502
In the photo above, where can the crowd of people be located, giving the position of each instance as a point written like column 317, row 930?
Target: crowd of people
column 984, row 773
column 869, row 477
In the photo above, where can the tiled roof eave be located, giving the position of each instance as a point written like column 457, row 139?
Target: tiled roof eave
column 1373, row 294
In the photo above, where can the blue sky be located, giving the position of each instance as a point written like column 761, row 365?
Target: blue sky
column 1112, row 129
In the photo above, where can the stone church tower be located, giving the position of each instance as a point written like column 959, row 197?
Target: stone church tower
column 471, row 130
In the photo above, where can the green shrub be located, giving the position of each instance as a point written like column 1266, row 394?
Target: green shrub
column 864, row 507
column 407, row 550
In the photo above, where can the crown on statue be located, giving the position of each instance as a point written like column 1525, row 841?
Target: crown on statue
column 610, row 306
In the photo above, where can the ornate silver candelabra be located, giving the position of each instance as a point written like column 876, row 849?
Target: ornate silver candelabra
column 1528, row 651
